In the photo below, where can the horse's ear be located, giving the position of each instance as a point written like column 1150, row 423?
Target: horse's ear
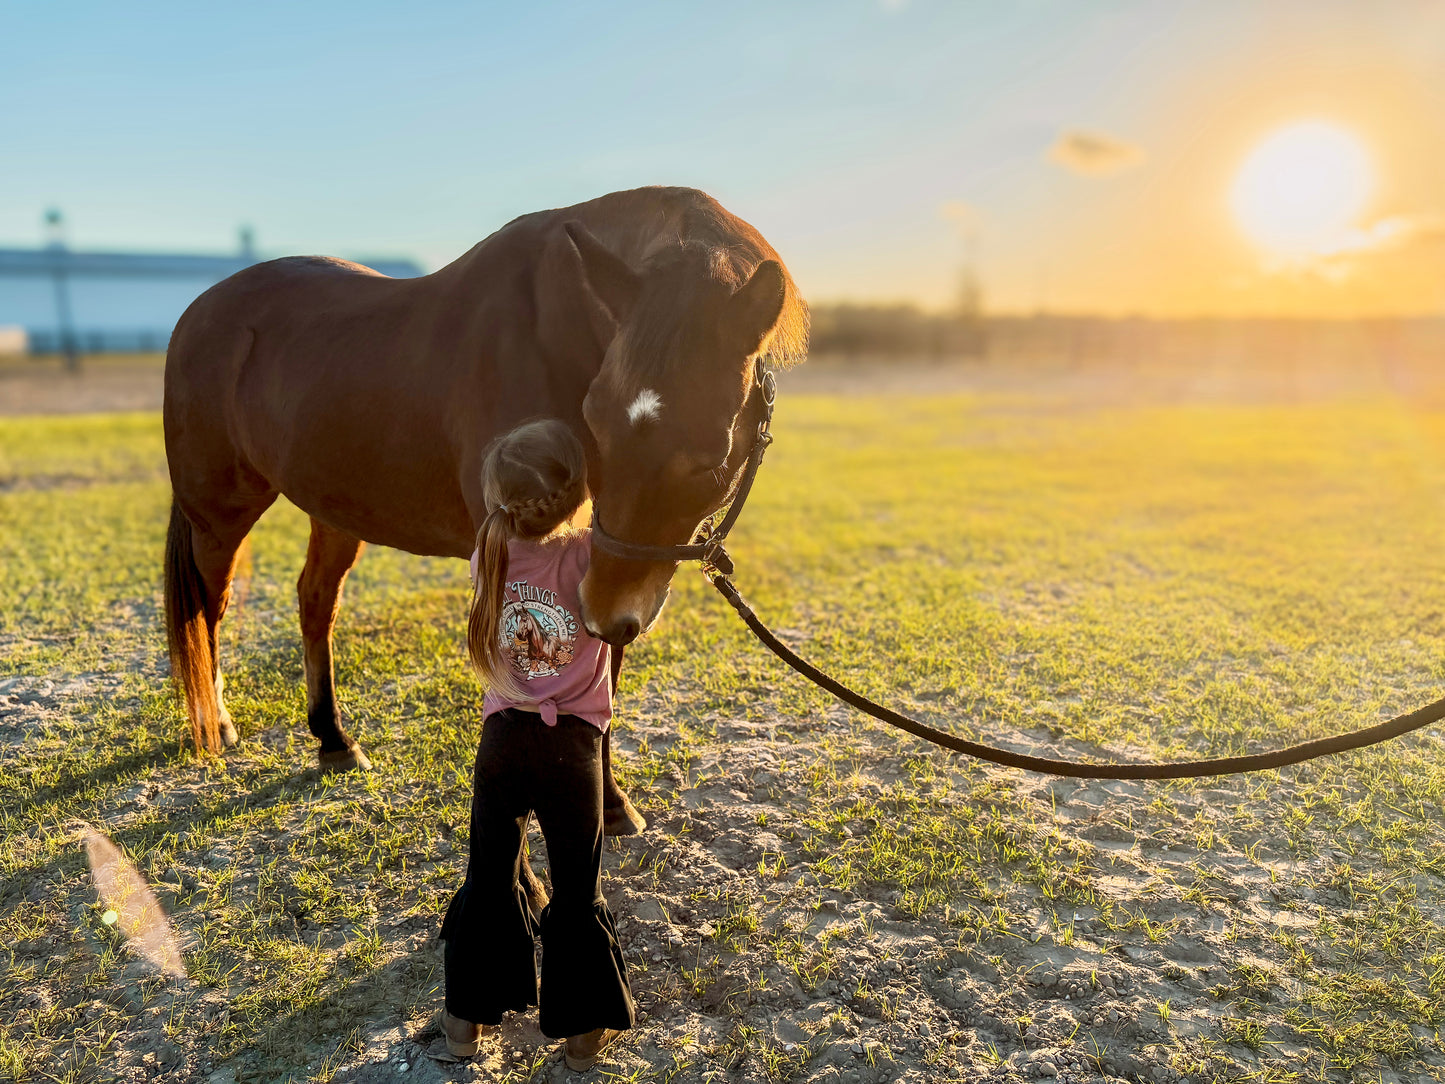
column 759, row 302
column 615, row 284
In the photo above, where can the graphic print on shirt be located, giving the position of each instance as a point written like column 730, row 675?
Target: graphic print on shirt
column 539, row 635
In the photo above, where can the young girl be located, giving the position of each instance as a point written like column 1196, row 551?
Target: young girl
column 547, row 706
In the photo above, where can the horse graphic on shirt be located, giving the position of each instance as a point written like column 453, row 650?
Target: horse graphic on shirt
column 535, row 649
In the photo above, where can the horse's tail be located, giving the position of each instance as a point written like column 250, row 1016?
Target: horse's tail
column 188, row 633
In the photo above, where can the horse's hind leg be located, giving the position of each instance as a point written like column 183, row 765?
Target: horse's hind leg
column 229, row 736
column 329, row 557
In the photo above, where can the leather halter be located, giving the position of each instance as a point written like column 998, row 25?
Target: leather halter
column 707, row 544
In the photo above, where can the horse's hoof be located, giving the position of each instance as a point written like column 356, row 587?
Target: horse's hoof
column 229, row 737
column 343, row 760
column 622, row 819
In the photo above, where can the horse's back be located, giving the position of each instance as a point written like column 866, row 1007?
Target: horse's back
column 259, row 296
column 317, row 378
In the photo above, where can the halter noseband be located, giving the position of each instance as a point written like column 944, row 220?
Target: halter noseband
column 707, row 544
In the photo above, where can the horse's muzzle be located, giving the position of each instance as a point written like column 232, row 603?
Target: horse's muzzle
column 620, row 620
column 618, row 633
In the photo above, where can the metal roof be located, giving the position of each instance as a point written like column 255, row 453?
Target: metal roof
column 49, row 261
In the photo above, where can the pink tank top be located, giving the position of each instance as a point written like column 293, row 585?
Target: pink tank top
column 560, row 667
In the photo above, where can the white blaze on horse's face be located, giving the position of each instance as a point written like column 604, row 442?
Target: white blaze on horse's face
column 646, row 407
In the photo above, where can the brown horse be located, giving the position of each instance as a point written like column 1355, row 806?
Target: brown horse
column 368, row 401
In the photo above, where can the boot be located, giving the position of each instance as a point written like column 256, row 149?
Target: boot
column 463, row 1036
column 582, row 1051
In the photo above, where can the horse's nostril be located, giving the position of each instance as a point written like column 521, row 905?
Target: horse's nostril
column 621, row 632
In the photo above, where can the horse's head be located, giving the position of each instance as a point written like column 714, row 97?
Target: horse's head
column 525, row 631
column 666, row 410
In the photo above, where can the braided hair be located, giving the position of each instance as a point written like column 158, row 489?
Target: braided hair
column 533, row 479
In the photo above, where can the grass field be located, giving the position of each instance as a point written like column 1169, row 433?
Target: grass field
column 818, row 898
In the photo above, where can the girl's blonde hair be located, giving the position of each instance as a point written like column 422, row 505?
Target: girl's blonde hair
column 533, row 480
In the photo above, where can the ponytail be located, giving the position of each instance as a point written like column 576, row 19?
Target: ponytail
column 484, row 623
column 533, row 479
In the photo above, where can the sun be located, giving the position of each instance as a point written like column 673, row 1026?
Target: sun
column 1299, row 193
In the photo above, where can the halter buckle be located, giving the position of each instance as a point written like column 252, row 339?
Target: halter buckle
column 715, row 558
column 768, row 384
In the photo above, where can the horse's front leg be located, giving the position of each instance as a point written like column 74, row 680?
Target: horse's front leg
column 330, row 555
column 619, row 816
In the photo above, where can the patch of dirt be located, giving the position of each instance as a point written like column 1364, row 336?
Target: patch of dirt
column 103, row 384
column 1046, row 385
column 747, row 964
column 42, row 482
column 123, row 383
column 34, row 709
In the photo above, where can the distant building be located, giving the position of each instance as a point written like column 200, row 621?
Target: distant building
column 116, row 301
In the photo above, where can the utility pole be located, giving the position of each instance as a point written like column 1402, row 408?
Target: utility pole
column 60, row 259
column 968, row 301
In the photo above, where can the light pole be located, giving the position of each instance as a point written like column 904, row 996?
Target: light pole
column 59, row 258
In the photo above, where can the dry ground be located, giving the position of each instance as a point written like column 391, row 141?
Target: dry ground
column 817, row 898
column 105, row 382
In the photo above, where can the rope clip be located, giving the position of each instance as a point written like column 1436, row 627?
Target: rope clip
column 716, row 558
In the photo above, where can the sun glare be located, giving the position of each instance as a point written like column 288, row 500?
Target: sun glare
column 1300, row 192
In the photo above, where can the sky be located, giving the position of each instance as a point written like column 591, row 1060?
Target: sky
column 1082, row 157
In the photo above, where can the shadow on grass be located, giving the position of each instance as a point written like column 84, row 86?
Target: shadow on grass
column 70, row 784
column 383, row 995
column 137, row 839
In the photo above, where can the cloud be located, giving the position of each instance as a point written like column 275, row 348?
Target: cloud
column 1397, row 231
column 1336, row 258
column 1092, row 154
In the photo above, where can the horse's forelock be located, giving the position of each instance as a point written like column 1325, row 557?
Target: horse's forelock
column 686, row 286
column 680, row 292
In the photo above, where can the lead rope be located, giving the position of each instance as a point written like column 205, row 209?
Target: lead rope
column 709, row 547
column 1187, row 769
column 1183, row 769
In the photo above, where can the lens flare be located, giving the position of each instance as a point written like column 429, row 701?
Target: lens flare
column 131, row 907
